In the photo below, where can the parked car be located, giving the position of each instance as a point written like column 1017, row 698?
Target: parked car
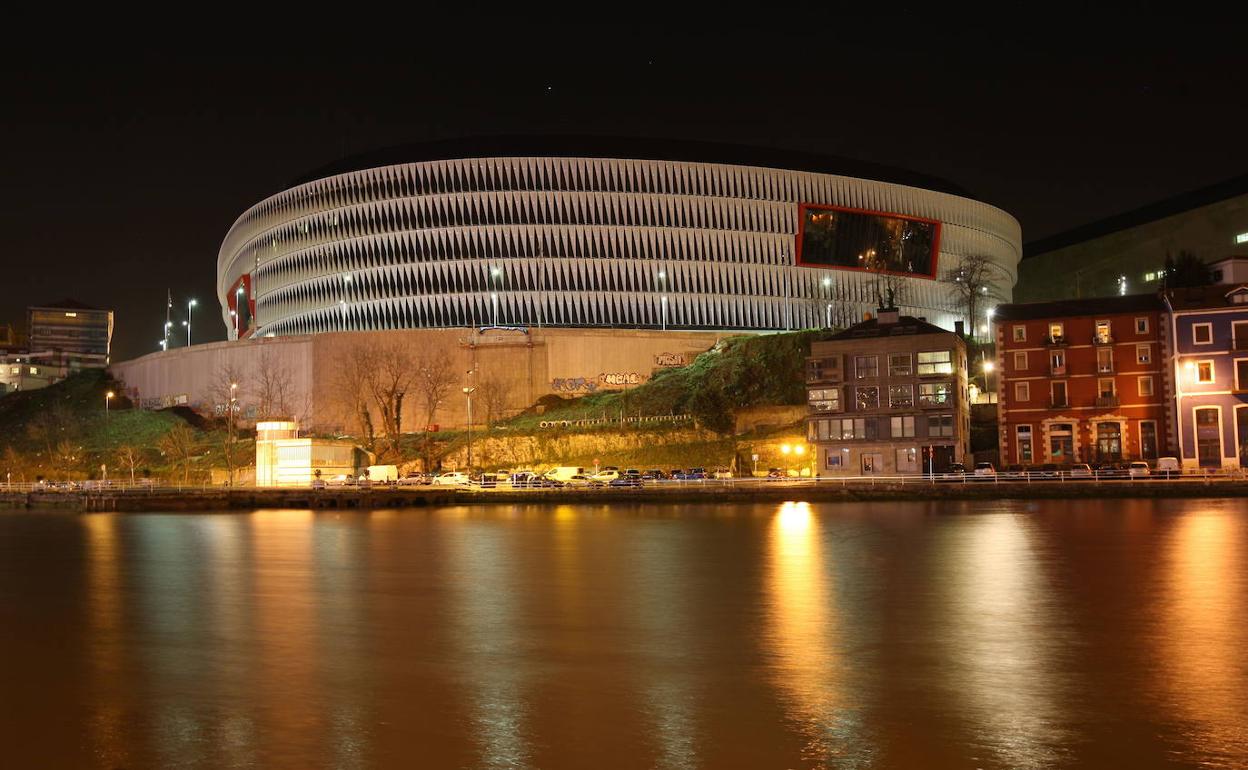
column 629, row 478
column 451, row 479
column 1138, row 469
column 697, row 473
column 415, row 479
column 1081, row 471
column 1168, row 467
column 775, row 473
column 342, row 480
column 318, row 483
column 723, row 473
column 653, row 474
column 606, row 476
column 580, row 480
column 677, row 474
column 985, row 470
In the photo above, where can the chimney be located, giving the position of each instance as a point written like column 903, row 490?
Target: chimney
column 889, row 315
column 959, row 328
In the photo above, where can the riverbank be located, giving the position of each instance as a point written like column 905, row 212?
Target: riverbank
column 208, row 499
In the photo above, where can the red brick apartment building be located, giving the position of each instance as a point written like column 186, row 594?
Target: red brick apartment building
column 1083, row 381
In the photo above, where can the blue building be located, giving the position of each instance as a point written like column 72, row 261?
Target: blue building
column 1209, row 349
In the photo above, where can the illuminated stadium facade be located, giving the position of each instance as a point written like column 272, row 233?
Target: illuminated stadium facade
column 586, row 233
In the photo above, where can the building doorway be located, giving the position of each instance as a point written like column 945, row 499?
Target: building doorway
column 1208, row 438
column 1108, row 441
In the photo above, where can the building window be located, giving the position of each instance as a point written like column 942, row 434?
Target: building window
column 900, row 396
column 1144, row 385
column 1241, row 433
column 1020, row 333
column 34, row 370
column 1024, row 443
column 872, row 463
column 899, row 365
column 825, row 400
column 939, row 425
column 1148, row 439
column 1103, row 334
column 867, row 366
column 868, row 398
column 1108, row 441
column 908, row 460
column 1241, row 238
column 852, row 428
column 833, row 460
column 1202, row 334
column 1057, row 392
column 935, row 362
column 1057, row 362
column 1020, row 361
column 1239, row 334
column 15, row 370
column 1104, row 360
column 1057, row 332
column 935, row 393
column 1204, row 372
column 903, row 426
column 1062, row 442
column 1022, row 391
column 1241, row 378
column 1105, row 387
column 1143, row 354
column 1208, row 438
column 1141, row 326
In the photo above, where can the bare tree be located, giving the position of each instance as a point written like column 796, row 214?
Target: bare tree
column 227, row 391
column 435, row 377
column 14, row 465
column 50, row 427
column 179, row 445
column 388, row 382
column 129, row 456
column 492, row 395
column 353, row 393
column 273, row 389
column 66, row 456
column 970, row 286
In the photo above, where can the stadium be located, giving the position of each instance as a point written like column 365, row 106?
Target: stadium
column 543, row 266
column 584, row 233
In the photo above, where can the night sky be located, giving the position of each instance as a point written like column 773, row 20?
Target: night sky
column 124, row 168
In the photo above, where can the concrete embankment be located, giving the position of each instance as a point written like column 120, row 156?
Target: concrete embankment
column 378, row 498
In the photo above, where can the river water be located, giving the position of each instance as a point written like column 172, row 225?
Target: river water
column 1013, row 634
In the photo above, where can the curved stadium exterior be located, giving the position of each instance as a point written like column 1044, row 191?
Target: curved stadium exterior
column 581, row 233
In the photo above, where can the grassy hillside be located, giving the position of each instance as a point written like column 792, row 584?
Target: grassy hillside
column 739, row 372
column 62, row 432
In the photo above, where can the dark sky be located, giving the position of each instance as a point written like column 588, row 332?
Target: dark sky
column 123, row 168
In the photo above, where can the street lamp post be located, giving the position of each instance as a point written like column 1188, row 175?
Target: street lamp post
column 827, row 313
column 663, row 299
column 468, row 395
column 107, row 435
column 190, row 303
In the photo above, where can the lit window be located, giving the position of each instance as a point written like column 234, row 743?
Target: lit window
column 903, row 427
column 825, row 400
column 899, row 365
column 1143, row 354
column 1202, row 334
column 71, row 315
column 900, row 396
column 1241, row 238
column 1103, row 334
column 935, row 393
column 868, row 398
column 936, row 362
column 1204, row 372
column 34, row 370
column 1057, row 331
column 867, row 366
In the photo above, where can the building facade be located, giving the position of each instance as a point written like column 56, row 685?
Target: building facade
column 1083, row 381
column 570, row 232
column 70, row 327
column 1209, row 325
column 1128, row 251
column 888, row 396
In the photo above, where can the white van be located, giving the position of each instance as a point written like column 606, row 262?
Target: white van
column 563, row 473
column 1168, row 466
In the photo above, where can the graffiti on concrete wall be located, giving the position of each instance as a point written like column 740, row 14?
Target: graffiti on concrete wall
column 669, row 359
column 574, row 385
column 620, row 378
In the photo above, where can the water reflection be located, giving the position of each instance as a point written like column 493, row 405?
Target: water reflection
column 806, row 638
column 1202, row 667
column 1002, row 641
column 485, row 619
column 105, row 623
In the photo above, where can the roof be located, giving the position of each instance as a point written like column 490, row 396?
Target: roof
column 65, row 304
column 1205, row 297
column 906, row 326
column 629, row 148
column 1075, row 308
column 1231, row 188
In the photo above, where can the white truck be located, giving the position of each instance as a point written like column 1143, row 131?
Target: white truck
column 563, row 473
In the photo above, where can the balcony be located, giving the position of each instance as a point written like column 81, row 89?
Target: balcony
column 1105, row 367
column 1059, row 404
column 1103, row 401
column 1057, row 371
column 1102, row 339
column 1052, row 341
